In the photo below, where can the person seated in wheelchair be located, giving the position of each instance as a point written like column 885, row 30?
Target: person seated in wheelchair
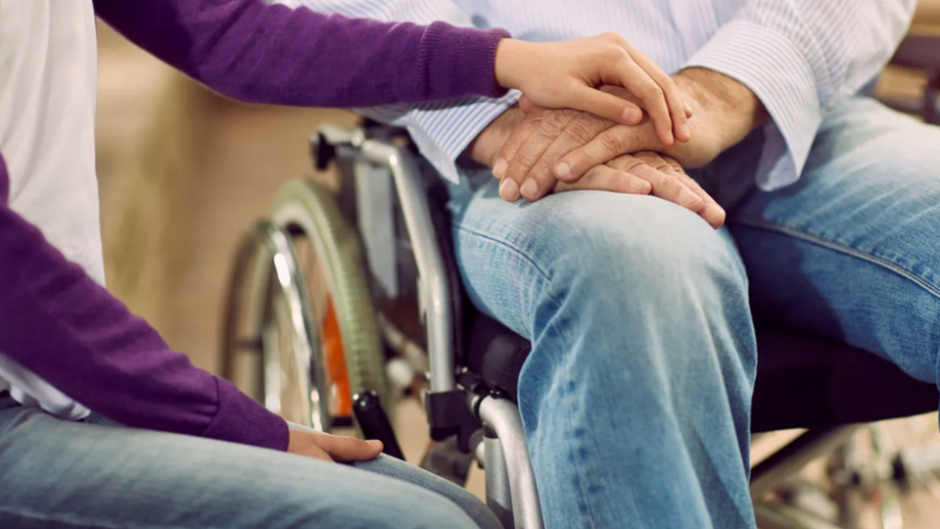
column 76, row 365
column 637, row 270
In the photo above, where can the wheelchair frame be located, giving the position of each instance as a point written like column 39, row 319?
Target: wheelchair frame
column 510, row 482
column 456, row 402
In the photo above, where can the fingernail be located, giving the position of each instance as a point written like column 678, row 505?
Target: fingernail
column 638, row 185
column 632, row 115
column 713, row 212
column 499, row 168
column 687, row 197
column 509, row 190
column 685, row 130
column 688, row 109
column 562, row 170
column 530, row 188
column 375, row 444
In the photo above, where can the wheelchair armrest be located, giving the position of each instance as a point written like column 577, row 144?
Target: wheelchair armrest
column 920, row 51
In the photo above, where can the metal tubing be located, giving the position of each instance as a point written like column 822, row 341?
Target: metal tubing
column 502, row 416
column 498, row 493
column 293, row 289
column 432, row 274
column 794, row 456
column 434, row 287
column 787, row 517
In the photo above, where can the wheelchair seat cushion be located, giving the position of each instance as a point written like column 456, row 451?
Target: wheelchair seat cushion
column 496, row 354
column 803, row 381
column 806, row 381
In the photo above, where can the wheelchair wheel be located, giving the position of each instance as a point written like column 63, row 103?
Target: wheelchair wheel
column 331, row 263
column 271, row 349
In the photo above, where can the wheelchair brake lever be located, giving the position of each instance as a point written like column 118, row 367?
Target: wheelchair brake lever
column 374, row 423
column 322, row 151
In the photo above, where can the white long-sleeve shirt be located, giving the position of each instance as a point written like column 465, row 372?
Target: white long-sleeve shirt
column 798, row 56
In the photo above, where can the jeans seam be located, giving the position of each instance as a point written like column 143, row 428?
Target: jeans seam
column 574, row 456
column 549, row 292
column 563, row 338
column 845, row 249
column 508, row 246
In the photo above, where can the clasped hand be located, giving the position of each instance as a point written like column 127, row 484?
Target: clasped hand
column 535, row 151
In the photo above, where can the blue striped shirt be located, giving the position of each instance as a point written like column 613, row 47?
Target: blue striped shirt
column 798, row 56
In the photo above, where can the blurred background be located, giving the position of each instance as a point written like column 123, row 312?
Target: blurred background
column 183, row 172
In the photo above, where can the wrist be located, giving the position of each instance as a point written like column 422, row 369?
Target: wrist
column 486, row 146
column 722, row 101
column 510, row 53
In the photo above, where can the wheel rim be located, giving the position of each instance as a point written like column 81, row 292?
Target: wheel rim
column 309, row 212
column 321, row 298
column 271, row 346
column 339, row 325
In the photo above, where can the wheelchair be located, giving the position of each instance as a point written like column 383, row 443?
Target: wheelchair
column 344, row 300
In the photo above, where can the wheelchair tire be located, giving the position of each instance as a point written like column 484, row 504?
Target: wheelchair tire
column 308, row 210
column 270, row 345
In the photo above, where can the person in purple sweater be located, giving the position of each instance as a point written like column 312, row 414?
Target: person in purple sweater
column 101, row 423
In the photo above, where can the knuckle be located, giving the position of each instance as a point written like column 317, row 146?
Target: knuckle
column 667, row 82
column 620, row 162
column 616, row 39
column 612, row 143
column 693, row 185
column 660, row 165
column 579, row 132
column 632, row 164
column 654, row 160
column 544, row 178
column 523, row 158
column 576, row 160
column 617, row 55
column 512, row 145
column 535, row 120
column 553, row 126
column 653, row 90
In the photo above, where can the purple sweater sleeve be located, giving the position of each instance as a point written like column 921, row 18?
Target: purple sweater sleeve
column 255, row 52
column 58, row 323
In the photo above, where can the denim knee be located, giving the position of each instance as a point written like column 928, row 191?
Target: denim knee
column 644, row 273
column 644, row 252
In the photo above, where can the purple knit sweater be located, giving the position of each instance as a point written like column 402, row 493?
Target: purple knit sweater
column 60, row 324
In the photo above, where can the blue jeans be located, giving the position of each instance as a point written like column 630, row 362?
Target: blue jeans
column 66, row 475
column 636, row 396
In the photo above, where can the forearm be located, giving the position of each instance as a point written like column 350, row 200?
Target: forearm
column 255, row 52
column 61, row 325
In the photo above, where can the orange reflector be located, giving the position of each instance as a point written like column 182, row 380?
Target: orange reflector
column 335, row 359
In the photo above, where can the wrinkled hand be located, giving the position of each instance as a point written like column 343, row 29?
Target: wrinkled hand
column 641, row 173
column 566, row 74
column 332, row 447
column 649, row 173
column 558, row 144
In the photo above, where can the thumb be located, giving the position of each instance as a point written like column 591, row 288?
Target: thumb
column 350, row 448
column 606, row 105
column 526, row 105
